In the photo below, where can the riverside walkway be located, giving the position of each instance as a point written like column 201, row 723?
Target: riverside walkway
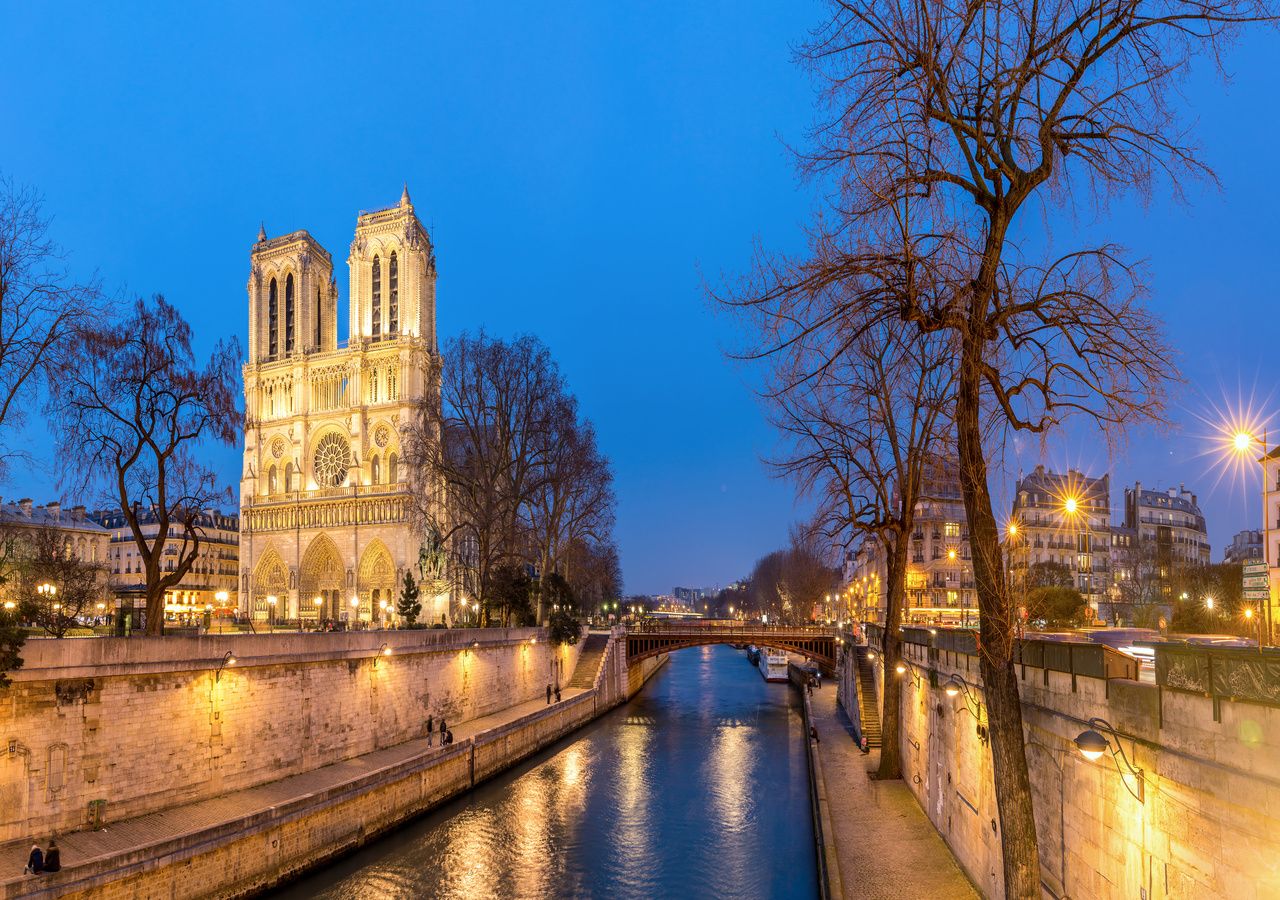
column 126, row 839
column 884, row 844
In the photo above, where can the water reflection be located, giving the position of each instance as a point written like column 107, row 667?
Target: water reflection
column 697, row 788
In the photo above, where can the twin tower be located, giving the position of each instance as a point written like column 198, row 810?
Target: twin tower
column 328, row 522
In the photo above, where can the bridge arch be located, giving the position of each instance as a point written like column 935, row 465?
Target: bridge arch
column 816, row 643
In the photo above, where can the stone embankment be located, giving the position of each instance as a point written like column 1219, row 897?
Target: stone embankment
column 229, row 828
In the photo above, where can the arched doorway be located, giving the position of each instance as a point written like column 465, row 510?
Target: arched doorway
column 376, row 583
column 270, row 581
column 321, row 577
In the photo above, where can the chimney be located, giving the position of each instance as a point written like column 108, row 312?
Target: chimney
column 54, row 509
column 77, row 513
column 25, row 505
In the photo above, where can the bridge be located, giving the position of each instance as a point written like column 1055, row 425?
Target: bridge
column 816, row 642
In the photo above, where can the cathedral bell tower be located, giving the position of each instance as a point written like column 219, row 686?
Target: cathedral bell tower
column 393, row 277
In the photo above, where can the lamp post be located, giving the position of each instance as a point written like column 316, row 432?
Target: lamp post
column 318, row 602
column 1243, row 444
column 1072, row 508
column 382, row 613
column 271, row 613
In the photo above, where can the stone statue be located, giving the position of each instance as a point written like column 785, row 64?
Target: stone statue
column 433, row 561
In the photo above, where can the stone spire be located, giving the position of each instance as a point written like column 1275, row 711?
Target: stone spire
column 404, row 195
column 262, row 232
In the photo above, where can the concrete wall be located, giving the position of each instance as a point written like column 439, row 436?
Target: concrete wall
column 1209, row 823
column 146, row 724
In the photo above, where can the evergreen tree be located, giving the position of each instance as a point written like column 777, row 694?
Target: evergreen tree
column 408, row 606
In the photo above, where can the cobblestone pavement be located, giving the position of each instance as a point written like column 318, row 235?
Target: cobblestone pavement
column 885, row 845
column 131, row 834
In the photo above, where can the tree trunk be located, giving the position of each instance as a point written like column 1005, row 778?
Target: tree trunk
column 890, row 715
column 155, row 612
column 996, row 640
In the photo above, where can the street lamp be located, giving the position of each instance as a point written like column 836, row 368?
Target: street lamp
column 318, row 602
column 1242, row 442
column 228, row 659
column 271, row 611
column 1093, row 744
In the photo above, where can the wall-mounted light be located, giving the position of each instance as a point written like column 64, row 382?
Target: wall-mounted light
column 955, row 686
column 228, row 659
column 1092, row 744
column 384, row 650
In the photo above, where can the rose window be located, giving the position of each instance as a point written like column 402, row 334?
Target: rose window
column 333, row 458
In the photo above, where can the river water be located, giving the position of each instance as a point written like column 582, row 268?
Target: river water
column 696, row 788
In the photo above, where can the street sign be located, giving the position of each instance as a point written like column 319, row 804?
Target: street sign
column 1255, row 568
column 1255, row 581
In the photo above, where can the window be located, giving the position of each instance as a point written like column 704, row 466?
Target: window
column 288, row 314
column 319, row 312
column 288, row 477
column 952, row 529
column 376, row 330
column 393, row 476
column 373, row 387
column 375, row 469
column 393, row 295
column 271, row 480
column 273, row 322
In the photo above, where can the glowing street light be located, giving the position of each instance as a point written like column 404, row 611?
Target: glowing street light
column 1070, row 505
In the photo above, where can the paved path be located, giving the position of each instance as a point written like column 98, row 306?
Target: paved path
column 885, row 845
column 132, row 834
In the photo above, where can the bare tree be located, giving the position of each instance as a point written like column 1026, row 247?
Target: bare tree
column 573, row 501
column 54, row 586
column 138, row 408
column 861, row 428
column 486, row 438
column 807, row 575
column 40, row 303
column 962, row 120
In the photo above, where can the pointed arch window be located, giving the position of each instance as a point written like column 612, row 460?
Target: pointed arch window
column 393, row 474
column 393, row 295
column 373, row 387
column 271, row 480
column 319, row 313
column 288, row 477
column 273, row 320
column 376, row 330
column 288, row 314
column 375, row 470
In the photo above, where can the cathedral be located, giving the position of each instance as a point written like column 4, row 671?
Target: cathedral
column 327, row 524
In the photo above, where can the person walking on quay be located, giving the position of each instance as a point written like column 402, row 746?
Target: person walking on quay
column 557, row 693
column 548, row 695
column 35, row 862
column 818, row 678
column 430, row 732
column 52, row 857
column 442, row 731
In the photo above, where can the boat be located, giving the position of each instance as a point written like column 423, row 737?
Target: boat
column 753, row 655
column 773, row 664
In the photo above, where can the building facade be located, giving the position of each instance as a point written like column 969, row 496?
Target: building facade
column 327, row 524
column 1245, row 547
column 86, row 540
column 212, row 581
column 1169, row 523
column 939, row 579
column 1065, row 519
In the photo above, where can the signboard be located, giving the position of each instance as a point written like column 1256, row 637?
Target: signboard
column 1257, row 583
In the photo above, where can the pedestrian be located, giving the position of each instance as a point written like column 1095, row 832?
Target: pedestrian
column 813, row 733
column 548, row 695
column 35, row 862
column 430, row 730
column 442, row 730
column 449, row 736
column 818, row 677
column 557, row 693
column 52, row 858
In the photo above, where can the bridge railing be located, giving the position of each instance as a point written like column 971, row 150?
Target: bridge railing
column 729, row 626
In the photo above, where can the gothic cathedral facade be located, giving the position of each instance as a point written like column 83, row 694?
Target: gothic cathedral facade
column 327, row 514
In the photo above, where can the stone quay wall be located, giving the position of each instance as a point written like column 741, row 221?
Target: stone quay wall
column 120, row 727
column 250, row 855
column 1208, row 823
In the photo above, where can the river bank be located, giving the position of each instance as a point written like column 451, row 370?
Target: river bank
column 244, row 842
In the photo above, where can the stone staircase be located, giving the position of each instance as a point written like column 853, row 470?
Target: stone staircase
column 868, row 709
column 589, row 659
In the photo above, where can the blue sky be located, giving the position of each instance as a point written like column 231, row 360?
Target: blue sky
column 583, row 166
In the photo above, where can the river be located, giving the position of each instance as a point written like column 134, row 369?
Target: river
column 696, row 788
